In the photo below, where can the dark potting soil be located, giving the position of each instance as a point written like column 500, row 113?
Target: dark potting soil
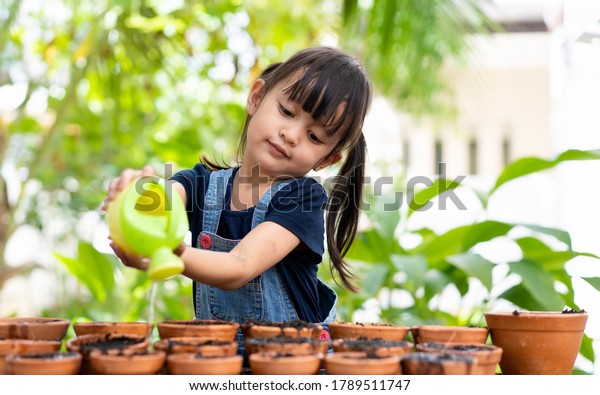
column 109, row 343
column 296, row 324
column 572, row 311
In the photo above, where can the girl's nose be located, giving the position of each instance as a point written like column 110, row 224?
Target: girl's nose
column 289, row 135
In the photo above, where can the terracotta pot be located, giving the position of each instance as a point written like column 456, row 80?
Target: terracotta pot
column 197, row 345
column 35, row 328
column 113, row 344
column 487, row 356
column 109, row 343
column 284, row 364
column 449, row 334
column 296, row 329
column 113, row 327
column 437, row 363
column 348, row 330
column 54, row 363
column 537, row 342
column 286, row 345
column 23, row 346
column 187, row 363
column 211, row 329
column 129, row 362
column 361, row 363
column 379, row 347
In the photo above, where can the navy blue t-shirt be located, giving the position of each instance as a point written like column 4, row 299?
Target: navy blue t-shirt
column 298, row 207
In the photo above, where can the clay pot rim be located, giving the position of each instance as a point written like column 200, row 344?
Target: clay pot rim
column 487, row 347
column 29, row 341
column 286, row 340
column 196, row 341
column 528, row 314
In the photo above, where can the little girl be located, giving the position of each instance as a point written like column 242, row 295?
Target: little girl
column 258, row 228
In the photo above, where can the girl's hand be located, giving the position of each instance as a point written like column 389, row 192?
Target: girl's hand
column 130, row 260
column 116, row 185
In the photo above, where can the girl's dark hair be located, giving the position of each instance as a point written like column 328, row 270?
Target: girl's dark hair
column 334, row 88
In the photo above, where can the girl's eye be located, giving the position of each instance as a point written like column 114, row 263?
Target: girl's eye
column 313, row 137
column 285, row 111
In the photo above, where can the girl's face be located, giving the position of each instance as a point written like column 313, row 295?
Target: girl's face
column 283, row 139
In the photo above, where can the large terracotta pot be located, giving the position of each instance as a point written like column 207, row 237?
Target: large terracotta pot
column 113, row 327
column 209, row 329
column 537, row 342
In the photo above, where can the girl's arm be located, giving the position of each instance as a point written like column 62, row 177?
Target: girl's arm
column 259, row 250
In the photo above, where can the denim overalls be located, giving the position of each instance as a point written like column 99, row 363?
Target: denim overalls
column 263, row 298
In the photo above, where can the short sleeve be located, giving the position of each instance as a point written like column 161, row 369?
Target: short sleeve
column 300, row 208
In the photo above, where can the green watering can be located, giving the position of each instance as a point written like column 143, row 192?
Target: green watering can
column 146, row 220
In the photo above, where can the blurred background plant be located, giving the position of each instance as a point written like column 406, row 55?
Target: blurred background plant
column 92, row 87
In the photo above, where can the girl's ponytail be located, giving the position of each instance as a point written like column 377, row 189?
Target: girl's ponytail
column 343, row 211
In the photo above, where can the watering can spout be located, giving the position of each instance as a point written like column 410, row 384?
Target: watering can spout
column 150, row 220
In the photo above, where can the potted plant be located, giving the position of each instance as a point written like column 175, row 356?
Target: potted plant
column 191, row 363
column 23, row 346
column 449, row 334
column 276, row 363
column 34, row 328
column 297, row 328
column 50, row 363
column 379, row 347
column 286, row 345
column 210, row 329
column 198, row 345
column 537, row 342
column 487, row 356
column 437, row 363
column 113, row 327
column 361, row 363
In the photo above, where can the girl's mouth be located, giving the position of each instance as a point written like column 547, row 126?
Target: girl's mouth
column 278, row 150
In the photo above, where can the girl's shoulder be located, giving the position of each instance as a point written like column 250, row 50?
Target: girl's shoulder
column 305, row 191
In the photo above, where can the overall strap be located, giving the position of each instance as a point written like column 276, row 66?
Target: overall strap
column 213, row 201
column 260, row 211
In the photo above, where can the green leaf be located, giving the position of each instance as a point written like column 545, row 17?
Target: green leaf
column 92, row 269
column 421, row 198
column 370, row 246
column 375, row 279
column 435, row 282
column 593, row 281
column 587, row 349
column 519, row 296
column 539, row 283
column 475, row 266
column 529, row 165
column 559, row 234
column 415, row 267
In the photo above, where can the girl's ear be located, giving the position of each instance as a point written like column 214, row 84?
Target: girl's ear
column 329, row 160
column 255, row 97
